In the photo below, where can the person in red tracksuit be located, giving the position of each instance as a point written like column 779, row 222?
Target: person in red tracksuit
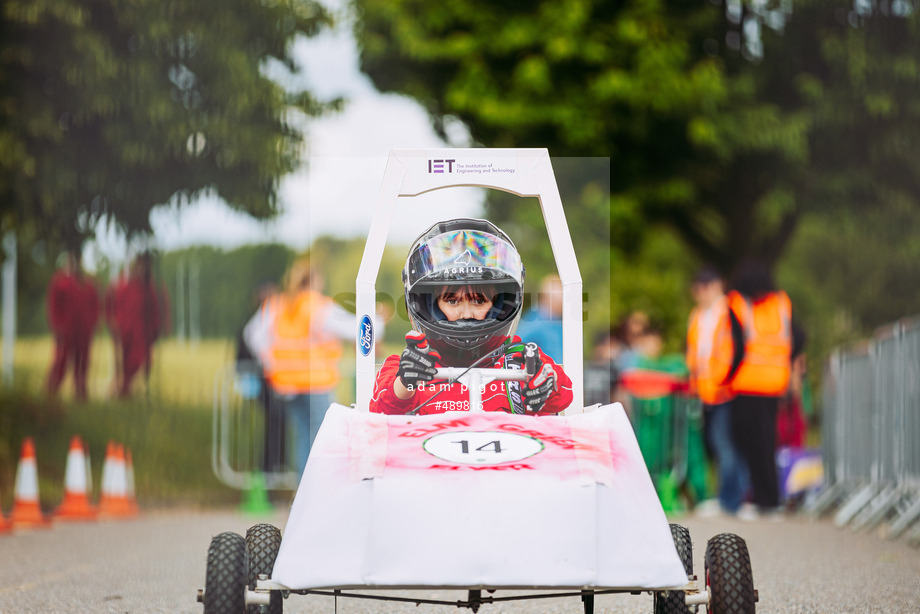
column 141, row 316
column 464, row 292
column 73, row 309
column 63, row 296
column 88, row 315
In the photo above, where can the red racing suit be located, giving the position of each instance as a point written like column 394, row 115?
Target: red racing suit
column 496, row 396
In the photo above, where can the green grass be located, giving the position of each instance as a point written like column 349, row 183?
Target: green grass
column 166, row 425
column 170, row 446
column 182, row 373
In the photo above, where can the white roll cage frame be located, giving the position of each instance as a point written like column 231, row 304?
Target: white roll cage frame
column 524, row 172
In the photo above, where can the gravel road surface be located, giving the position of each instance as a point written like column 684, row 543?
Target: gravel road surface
column 157, row 563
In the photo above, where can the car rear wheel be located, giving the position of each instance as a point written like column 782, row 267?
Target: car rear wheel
column 673, row 602
column 262, row 544
column 225, row 577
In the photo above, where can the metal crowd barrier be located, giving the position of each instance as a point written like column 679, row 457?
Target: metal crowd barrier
column 668, row 424
column 241, row 454
column 871, row 433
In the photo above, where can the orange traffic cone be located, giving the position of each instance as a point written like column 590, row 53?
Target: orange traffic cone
column 27, row 512
column 6, row 526
column 76, row 505
column 113, row 503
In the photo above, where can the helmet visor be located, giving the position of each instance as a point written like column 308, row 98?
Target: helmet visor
column 463, row 256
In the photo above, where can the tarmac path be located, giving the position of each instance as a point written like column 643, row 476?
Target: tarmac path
column 157, row 564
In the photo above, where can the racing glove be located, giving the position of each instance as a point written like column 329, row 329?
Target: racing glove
column 542, row 385
column 417, row 361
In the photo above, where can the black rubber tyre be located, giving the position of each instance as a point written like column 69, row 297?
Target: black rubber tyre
column 262, row 544
column 672, row 602
column 225, row 579
column 729, row 576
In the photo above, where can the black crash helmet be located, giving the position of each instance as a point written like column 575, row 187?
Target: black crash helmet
column 461, row 253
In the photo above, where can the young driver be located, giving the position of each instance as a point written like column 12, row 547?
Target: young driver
column 464, row 291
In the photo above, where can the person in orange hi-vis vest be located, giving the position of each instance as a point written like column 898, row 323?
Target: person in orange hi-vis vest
column 765, row 341
column 297, row 336
column 709, row 327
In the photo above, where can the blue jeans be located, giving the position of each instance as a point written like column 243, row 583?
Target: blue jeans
column 305, row 413
column 733, row 472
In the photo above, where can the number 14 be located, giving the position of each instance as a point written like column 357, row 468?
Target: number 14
column 496, row 446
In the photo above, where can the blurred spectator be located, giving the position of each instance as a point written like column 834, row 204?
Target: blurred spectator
column 766, row 341
column 621, row 346
column 73, row 310
column 140, row 317
column 255, row 387
column 666, row 420
column 709, row 326
column 608, row 344
column 795, row 461
column 648, row 344
column 542, row 324
column 601, row 374
column 791, row 427
column 634, row 326
column 297, row 336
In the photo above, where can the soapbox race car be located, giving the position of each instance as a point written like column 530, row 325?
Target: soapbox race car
column 544, row 506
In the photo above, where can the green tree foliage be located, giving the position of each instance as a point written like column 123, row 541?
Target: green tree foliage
column 35, row 264
column 850, row 274
column 851, row 72
column 843, row 81
column 110, row 107
column 582, row 78
column 732, row 124
column 225, row 283
column 726, row 145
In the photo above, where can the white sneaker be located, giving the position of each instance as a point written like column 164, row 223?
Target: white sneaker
column 747, row 512
column 710, row 508
column 777, row 514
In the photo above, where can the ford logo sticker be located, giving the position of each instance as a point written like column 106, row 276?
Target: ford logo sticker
column 366, row 335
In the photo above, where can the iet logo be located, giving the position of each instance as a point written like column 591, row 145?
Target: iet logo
column 437, row 166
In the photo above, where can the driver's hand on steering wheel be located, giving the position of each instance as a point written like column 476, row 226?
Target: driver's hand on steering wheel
column 539, row 388
column 417, row 361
